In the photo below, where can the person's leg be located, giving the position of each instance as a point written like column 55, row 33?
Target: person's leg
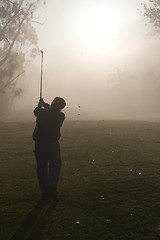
column 42, row 171
column 54, row 166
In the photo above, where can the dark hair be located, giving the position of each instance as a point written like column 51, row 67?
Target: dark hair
column 58, row 104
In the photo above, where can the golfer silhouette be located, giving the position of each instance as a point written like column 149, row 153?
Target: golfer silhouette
column 46, row 134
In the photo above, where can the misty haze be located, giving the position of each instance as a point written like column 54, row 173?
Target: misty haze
column 100, row 56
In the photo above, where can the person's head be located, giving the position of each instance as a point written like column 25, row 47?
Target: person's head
column 58, row 104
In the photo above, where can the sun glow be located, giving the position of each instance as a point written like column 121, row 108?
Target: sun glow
column 101, row 26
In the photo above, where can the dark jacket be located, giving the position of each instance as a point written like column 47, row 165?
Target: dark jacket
column 48, row 124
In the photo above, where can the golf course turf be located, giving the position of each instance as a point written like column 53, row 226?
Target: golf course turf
column 109, row 187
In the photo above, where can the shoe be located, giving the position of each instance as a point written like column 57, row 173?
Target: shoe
column 44, row 198
column 53, row 194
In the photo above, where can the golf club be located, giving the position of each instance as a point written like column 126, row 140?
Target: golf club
column 41, row 73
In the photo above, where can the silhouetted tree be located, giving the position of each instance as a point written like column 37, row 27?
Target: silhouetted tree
column 18, row 40
column 150, row 91
column 152, row 12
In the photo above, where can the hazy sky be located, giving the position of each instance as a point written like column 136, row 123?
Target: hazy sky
column 83, row 42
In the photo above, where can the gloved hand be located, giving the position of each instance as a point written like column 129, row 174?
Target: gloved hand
column 41, row 102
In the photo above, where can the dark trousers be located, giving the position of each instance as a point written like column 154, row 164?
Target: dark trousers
column 48, row 160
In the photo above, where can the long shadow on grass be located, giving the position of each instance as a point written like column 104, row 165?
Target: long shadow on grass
column 33, row 225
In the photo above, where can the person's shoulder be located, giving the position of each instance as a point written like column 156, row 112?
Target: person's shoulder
column 62, row 115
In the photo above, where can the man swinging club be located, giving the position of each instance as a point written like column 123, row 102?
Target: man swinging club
column 49, row 120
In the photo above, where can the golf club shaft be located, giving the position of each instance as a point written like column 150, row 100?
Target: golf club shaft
column 41, row 74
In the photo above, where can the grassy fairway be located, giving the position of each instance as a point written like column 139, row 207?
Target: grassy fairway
column 109, row 187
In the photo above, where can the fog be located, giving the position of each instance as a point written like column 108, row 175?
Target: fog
column 101, row 74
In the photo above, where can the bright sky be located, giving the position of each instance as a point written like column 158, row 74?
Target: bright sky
column 90, row 22
column 84, row 40
column 86, row 33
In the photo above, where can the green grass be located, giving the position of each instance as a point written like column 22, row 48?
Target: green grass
column 109, row 187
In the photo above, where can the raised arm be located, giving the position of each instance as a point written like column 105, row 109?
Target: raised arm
column 40, row 108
